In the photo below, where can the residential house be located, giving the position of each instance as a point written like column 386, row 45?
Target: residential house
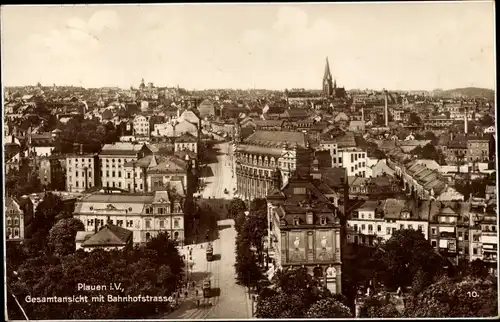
column 186, row 142
column 14, row 221
column 142, row 125
column 113, row 158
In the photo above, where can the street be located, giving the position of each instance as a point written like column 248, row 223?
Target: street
column 230, row 300
column 222, row 175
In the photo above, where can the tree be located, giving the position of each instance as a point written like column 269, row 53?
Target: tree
column 431, row 136
column 248, row 272
column 235, row 207
column 467, row 297
column 406, row 252
column 379, row 306
column 328, row 308
column 477, row 268
column 428, row 152
column 294, row 293
column 62, row 235
column 414, row 119
column 487, row 120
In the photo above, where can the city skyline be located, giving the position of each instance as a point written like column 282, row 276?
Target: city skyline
column 272, row 46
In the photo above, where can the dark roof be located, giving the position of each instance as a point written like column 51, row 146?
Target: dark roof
column 187, row 137
column 277, row 139
column 109, row 235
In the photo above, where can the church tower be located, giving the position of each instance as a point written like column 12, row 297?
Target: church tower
column 327, row 80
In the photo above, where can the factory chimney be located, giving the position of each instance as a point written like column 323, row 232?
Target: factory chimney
column 362, row 114
column 466, row 121
column 386, row 116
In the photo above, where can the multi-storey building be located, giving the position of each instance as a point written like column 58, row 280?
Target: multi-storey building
column 14, row 221
column 145, row 215
column 154, row 172
column 437, row 123
column 375, row 221
column 113, row 158
column 142, row 125
column 51, row 173
column 355, row 162
column 304, row 229
column 82, row 172
column 186, row 142
column 263, row 152
column 478, row 149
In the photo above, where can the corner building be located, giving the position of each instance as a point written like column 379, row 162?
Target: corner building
column 260, row 154
column 304, row 228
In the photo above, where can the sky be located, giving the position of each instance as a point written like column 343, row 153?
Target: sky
column 398, row 46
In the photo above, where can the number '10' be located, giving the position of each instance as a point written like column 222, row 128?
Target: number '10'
column 472, row 294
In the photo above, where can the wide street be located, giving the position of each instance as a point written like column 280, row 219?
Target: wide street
column 230, row 300
column 222, row 177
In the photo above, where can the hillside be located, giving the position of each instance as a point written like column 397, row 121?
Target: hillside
column 470, row 92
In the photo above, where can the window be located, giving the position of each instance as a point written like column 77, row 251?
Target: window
column 460, row 234
column 76, row 184
column 148, row 210
column 355, row 227
column 16, row 221
column 76, row 174
column 9, row 232
column 474, row 251
column 9, row 221
column 410, row 226
column 475, row 237
column 309, row 219
column 90, row 174
column 388, row 231
column 393, row 230
column 107, row 173
column 340, row 160
column 162, row 223
column 370, row 228
column 379, row 228
column 323, row 220
column 363, row 227
column 296, row 221
column 401, row 226
column 433, row 231
column 433, row 243
column 176, row 223
column 113, row 174
column 420, row 227
column 119, row 174
column 148, row 224
column 466, row 236
column 130, row 223
column 128, row 175
column 119, row 223
column 161, row 210
column 16, row 232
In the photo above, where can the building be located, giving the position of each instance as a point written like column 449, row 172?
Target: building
column 206, row 109
column 154, row 172
column 261, row 153
column 142, row 125
column 51, row 173
column 109, row 237
column 304, row 229
column 82, row 172
column 478, row 149
column 186, row 142
column 113, row 158
column 330, row 85
column 145, row 215
column 14, row 221
column 354, row 161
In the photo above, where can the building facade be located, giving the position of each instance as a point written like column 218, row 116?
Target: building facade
column 145, row 215
column 14, row 220
column 263, row 152
column 304, row 229
column 82, row 172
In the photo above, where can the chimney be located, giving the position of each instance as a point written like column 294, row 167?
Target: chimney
column 362, row 114
column 145, row 179
column 466, row 121
column 386, row 116
column 81, row 148
column 96, row 228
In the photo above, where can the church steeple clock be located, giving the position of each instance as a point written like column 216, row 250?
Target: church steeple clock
column 327, row 80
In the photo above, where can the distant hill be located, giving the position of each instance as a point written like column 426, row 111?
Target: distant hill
column 470, row 92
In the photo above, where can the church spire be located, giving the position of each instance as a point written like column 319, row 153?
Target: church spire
column 327, row 80
column 327, row 75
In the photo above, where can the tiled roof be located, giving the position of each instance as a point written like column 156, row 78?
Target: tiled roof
column 161, row 197
column 170, row 164
column 109, row 235
column 277, row 139
column 11, row 203
column 186, row 137
column 130, row 204
column 265, row 123
column 253, row 149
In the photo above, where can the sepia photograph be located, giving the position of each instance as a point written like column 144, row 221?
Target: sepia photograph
column 240, row 161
